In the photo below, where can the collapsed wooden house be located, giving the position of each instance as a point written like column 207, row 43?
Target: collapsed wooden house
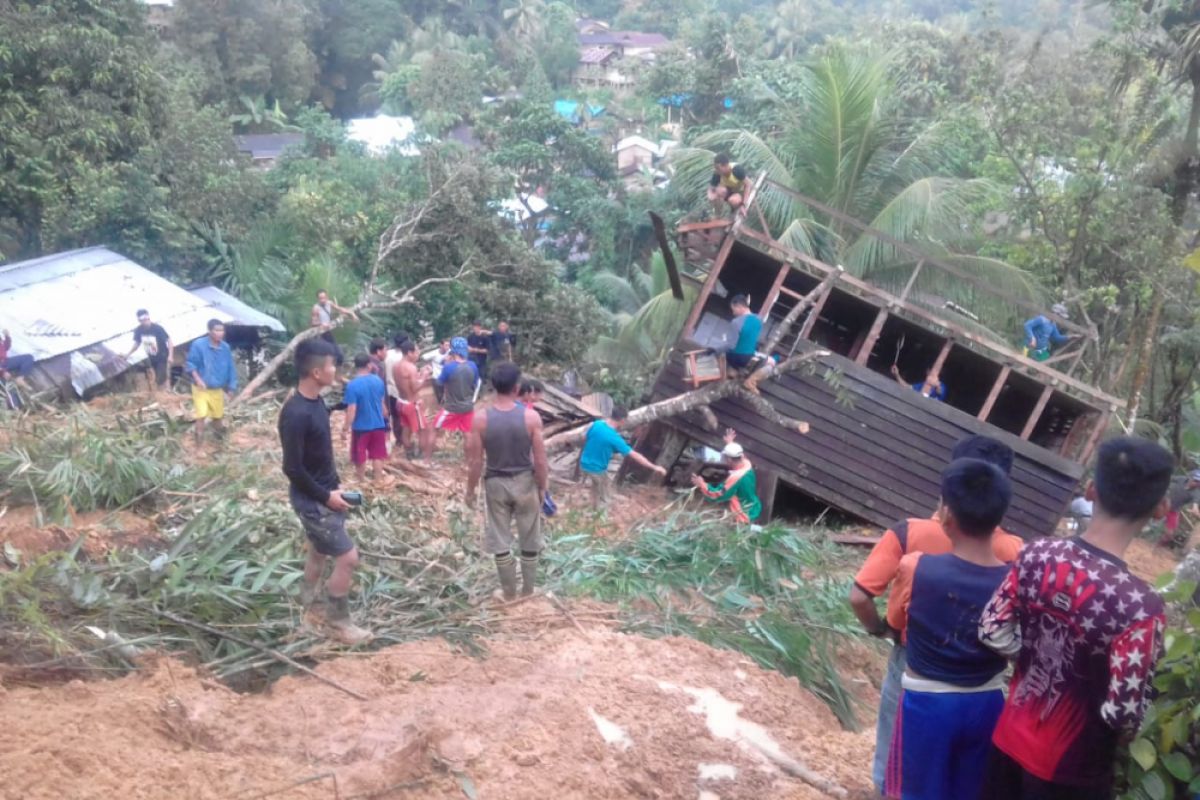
column 876, row 448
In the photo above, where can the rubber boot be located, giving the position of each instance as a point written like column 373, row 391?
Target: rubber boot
column 338, row 622
column 506, row 568
column 529, row 565
column 313, row 605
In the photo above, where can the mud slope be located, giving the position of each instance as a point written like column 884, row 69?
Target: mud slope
column 549, row 713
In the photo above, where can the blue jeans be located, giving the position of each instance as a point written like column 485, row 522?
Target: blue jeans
column 889, row 705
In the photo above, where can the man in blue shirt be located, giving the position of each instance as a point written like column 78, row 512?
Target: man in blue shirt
column 366, row 419
column 210, row 365
column 1042, row 334
column 598, row 449
column 746, row 327
column 932, row 387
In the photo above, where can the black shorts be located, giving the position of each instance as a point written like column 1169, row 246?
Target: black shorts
column 1005, row 779
column 159, row 368
column 325, row 528
column 738, row 360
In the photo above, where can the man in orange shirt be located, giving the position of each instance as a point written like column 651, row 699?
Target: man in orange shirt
column 882, row 566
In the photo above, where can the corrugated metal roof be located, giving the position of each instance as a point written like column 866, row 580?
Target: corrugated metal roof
column 240, row 313
column 84, row 303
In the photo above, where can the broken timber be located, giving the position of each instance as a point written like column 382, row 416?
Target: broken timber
column 876, row 448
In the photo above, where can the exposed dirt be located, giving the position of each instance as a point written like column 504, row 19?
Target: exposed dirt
column 549, row 713
column 102, row 531
column 1148, row 561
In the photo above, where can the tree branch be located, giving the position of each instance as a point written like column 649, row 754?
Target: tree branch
column 785, row 325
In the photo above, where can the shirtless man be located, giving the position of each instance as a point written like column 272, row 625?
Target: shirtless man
column 409, row 381
column 322, row 317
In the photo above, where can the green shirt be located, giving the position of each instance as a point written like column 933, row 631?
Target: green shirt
column 745, row 490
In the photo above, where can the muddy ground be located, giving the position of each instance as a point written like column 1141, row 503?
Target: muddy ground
column 552, row 711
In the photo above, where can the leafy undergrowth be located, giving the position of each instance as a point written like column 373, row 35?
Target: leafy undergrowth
column 776, row 594
column 231, row 560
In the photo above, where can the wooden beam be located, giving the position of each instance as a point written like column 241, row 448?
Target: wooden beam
column 868, row 344
column 846, row 219
column 768, row 485
column 878, row 297
column 1101, row 426
column 912, row 279
column 1037, row 412
column 689, row 327
column 997, row 387
column 815, row 314
column 764, row 313
column 942, row 355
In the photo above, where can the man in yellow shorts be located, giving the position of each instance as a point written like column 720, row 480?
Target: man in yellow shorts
column 210, row 365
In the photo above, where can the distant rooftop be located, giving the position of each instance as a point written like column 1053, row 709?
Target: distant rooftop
column 623, row 39
column 596, row 55
column 267, row 146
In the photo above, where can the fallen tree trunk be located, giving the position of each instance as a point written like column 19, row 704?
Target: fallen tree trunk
column 680, row 404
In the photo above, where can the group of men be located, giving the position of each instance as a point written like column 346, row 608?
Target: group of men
column 964, row 598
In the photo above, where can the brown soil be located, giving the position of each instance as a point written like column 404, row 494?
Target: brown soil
column 524, row 722
column 102, row 531
column 1148, row 561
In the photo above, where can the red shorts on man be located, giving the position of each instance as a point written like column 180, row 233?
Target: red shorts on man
column 368, row 445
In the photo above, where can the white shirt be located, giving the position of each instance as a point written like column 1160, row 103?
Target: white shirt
column 393, row 358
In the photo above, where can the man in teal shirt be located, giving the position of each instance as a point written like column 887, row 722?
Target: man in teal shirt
column 746, row 328
column 598, row 449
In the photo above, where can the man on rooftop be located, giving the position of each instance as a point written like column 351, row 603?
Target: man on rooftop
column 728, row 185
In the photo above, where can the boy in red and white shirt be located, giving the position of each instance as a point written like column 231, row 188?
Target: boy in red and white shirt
column 1085, row 634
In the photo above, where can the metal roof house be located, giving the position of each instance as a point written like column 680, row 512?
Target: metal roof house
column 75, row 312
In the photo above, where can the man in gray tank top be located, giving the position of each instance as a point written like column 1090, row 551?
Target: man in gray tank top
column 516, row 480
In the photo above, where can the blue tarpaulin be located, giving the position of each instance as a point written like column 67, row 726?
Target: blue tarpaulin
column 568, row 110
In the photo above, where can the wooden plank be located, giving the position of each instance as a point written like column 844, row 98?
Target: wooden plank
column 1101, row 426
column 1036, row 414
column 862, row 541
column 768, row 485
column 881, row 451
column 689, row 327
column 1002, row 354
column 764, row 312
column 868, row 344
column 997, row 387
column 707, row 225
column 660, row 233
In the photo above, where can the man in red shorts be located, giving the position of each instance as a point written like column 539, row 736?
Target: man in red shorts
column 458, row 380
column 366, row 418
column 408, row 407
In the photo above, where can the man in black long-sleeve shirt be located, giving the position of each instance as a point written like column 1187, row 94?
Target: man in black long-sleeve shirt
column 309, row 466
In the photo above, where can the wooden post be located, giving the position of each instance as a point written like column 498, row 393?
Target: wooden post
column 1094, row 439
column 997, row 387
column 942, row 355
column 1037, row 412
column 912, row 279
column 815, row 314
column 768, row 485
column 764, row 313
column 689, row 327
column 868, row 344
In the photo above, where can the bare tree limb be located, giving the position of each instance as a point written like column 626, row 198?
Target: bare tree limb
column 785, row 325
column 688, row 401
column 400, row 234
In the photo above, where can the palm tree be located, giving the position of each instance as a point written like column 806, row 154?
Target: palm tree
column 833, row 141
column 647, row 318
column 524, row 18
